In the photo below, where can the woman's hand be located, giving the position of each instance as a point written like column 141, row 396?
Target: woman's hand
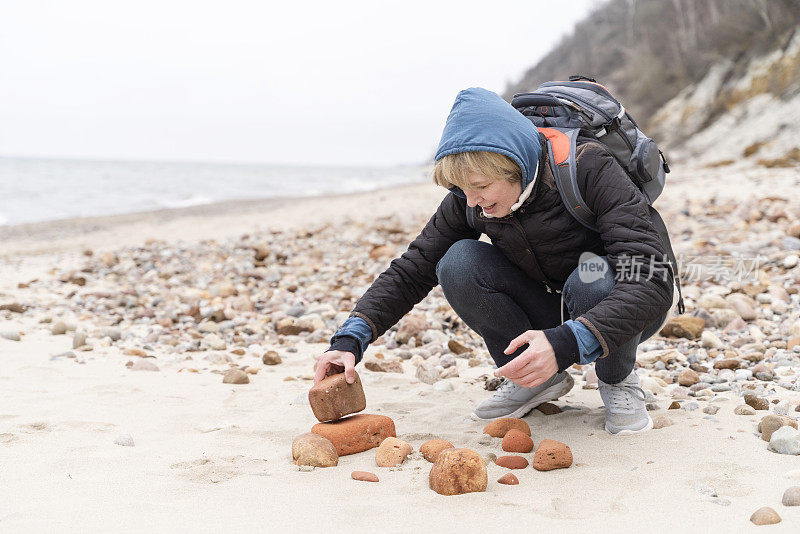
column 535, row 365
column 334, row 362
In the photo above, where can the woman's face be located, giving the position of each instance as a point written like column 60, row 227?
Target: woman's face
column 495, row 196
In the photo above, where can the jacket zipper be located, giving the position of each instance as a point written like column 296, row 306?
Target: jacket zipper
column 518, row 225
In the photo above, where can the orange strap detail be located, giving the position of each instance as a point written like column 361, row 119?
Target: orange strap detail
column 560, row 143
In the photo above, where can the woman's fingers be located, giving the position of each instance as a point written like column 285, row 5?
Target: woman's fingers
column 526, row 373
column 518, row 341
column 512, row 367
column 328, row 365
column 349, row 370
column 321, row 372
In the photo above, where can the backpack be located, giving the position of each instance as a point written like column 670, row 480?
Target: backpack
column 563, row 109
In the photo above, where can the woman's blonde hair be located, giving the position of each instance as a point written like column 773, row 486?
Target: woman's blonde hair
column 455, row 169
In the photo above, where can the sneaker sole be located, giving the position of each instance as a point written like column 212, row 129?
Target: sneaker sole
column 628, row 432
column 552, row 393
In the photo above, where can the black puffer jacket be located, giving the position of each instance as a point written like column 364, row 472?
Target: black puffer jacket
column 545, row 241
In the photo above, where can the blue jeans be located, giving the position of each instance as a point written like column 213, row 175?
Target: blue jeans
column 496, row 299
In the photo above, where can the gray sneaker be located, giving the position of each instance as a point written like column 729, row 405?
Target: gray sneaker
column 625, row 409
column 511, row 400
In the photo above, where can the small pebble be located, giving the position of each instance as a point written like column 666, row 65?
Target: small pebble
column 791, row 497
column 364, row 476
column 126, row 440
column 235, row 376
column 144, row 365
column 10, row 335
column 765, row 516
column 509, row 479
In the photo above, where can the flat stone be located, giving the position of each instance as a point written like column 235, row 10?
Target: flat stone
column 333, row 398
column 364, row 476
column 744, row 409
column 356, row 433
column 551, row 455
column 14, row 307
column 512, row 462
column 727, row 364
column 314, row 450
column 458, row 471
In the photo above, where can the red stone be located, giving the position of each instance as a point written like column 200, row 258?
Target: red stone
column 551, row 455
column 509, row 479
column 517, row 441
column 364, row 476
column 431, row 448
column 512, row 462
column 333, row 398
column 356, row 433
column 458, row 471
column 499, row 427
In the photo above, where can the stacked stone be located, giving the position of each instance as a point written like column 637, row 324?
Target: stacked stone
column 339, row 433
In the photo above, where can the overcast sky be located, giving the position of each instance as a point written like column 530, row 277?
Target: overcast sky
column 312, row 83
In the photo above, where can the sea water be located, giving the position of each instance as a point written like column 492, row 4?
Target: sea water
column 47, row 189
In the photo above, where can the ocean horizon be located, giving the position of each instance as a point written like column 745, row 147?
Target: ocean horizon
column 43, row 189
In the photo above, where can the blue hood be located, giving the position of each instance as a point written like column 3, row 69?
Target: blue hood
column 481, row 120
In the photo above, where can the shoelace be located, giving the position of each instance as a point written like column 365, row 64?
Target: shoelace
column 504, row 387
column 619, row 397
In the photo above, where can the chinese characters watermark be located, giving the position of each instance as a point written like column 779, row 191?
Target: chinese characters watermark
column 691, row 269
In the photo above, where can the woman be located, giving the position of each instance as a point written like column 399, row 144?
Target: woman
column 541, row 262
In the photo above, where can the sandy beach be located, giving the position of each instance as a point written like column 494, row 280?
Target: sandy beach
column 171, row 300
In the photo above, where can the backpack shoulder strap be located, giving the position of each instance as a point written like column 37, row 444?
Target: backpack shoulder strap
column 561, row 153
